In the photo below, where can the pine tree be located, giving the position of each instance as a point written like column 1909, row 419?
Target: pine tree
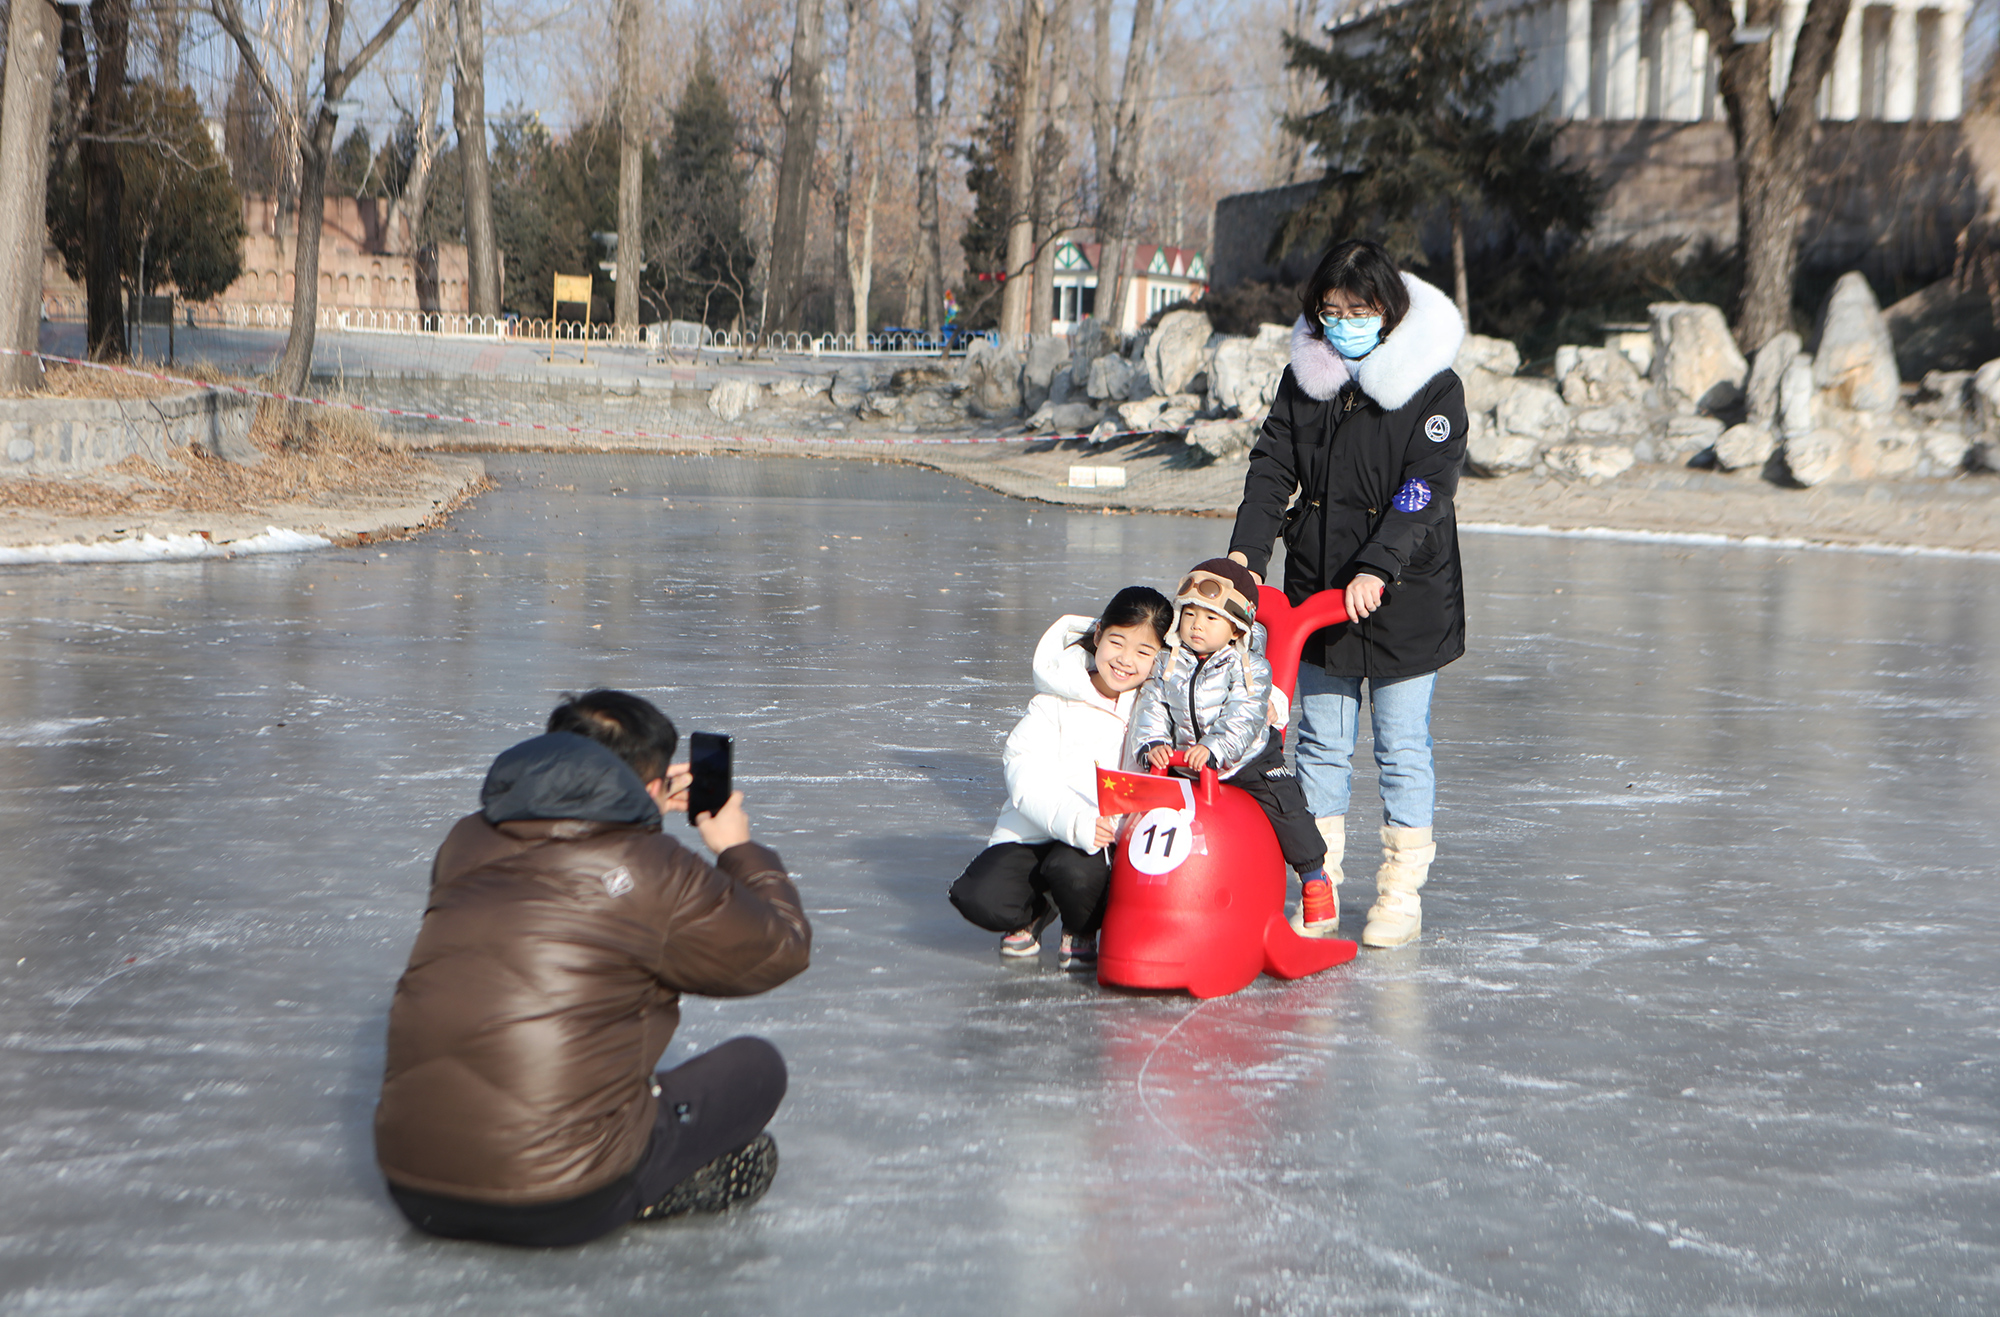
column 989, row 176
column 1409, row 126
column 695, row 213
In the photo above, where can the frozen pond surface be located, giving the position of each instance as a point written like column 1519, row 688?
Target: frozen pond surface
column 1703, row 1018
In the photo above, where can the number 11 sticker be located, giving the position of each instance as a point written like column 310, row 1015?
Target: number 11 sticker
column 1160, row 841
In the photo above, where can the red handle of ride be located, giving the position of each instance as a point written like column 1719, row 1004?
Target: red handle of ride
column 1286, row 629
column 1207, row 778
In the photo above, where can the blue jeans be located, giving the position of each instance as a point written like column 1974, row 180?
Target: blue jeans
column 1330, row 718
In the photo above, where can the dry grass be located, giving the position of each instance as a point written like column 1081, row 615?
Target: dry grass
column 312, row 455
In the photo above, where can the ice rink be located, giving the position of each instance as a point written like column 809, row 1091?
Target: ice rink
column 1704, row 1018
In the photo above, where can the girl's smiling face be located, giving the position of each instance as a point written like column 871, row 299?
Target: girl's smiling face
column 1125, row 657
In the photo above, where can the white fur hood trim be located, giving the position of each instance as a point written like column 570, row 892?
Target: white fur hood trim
column 1426, row 342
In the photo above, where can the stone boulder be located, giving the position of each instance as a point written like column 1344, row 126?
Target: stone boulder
column 1061, row 385
column 730, row 398
column 1046, row 355
column 1483, row 363
column 1855, row 361
column 1243, row 373
column 1744, row 446
column 1986, row 397
column 1114, row 379
column 992, row 379
column 1064, row 418
column 1696, row 362
column 1627, row 421
column 1943, row 327
column 1175, row 350
column 1221, row 439
column 851, row 386
column 1816, row 456
column 1798, row 401
column 1769, row 367
column 1595, row 463
column 1599, row 377
column 1528, row 417
column 1089, row 339
column 1680, row 440
column 1142, row 416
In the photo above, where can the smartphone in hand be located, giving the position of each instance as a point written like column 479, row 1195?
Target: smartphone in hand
column 709, row 759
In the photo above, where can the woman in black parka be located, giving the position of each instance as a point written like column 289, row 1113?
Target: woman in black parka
column 1368, row 431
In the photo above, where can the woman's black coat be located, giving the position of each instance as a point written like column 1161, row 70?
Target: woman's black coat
column 1375, row 490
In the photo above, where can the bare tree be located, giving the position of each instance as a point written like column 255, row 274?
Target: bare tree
column 32, row 36
column 434, row 59
column 468, row 113
column 315, row 148
column 934, row 88
column 1051, row 153
column 1120, row 134
column 1018, row 293
column 631, row 171
column 791, row 210
column 1774, row 136
column 857, row 137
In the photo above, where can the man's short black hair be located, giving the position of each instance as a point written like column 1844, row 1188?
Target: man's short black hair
column 631, row 728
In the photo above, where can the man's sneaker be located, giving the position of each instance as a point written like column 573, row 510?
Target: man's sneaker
column 734, row 1179
column 1078, row 953
column 1318, row 914
column 1024, row 942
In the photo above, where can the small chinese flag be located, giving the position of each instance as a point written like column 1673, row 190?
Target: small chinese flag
column 1135, row 793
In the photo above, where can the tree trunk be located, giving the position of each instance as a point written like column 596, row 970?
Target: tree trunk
column 1050, row 155
column 631, row 172
column 1773, row 143
column 32, row 42
column 1118, row 192
column 294, row 366
column 792, row 203
column 468, row 112
column 843, row 184
column 409, row 207
column 923, row 271
column 104, row 181
column 1018, row 293
column 861, row 259
column 1458, row 290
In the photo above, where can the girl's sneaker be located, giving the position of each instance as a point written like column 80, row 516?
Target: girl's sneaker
column 1078, row 953
column 1025, row 942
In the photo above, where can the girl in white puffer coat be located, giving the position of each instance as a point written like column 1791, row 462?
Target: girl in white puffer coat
column 1050, row 852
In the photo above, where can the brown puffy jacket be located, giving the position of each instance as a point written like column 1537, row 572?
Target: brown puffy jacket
column 562, row 928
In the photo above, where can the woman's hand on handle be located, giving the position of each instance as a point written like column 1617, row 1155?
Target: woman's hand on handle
column 1364, row 595
column 1236, row 556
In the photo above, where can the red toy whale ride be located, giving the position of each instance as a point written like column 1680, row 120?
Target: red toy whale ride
column 1198, row 886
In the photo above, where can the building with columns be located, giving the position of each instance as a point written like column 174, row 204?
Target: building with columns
column 1625, row 60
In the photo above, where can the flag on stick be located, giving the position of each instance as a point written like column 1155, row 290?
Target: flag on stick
column 1135, row 793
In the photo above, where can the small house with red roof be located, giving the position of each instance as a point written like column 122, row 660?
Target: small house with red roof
column 1160, row 277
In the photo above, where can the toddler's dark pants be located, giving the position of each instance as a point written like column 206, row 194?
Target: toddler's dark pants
column 1277, row 789
column 1005, row 885
column 709, row 1106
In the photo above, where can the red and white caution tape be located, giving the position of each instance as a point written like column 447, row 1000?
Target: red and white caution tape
column 406, row 414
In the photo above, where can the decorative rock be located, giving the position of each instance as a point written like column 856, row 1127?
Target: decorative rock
column 1681, row 439
column 1141, row 417
column 1174, row 419
column 1046, row 355
column 1491, row 451
column 1946, row 397
column 1816, row 456
column 1621, row 421
column 1484, row 364
column 1695, row 361
column 1947, row 448
column 1532, row 407
column 1986, row 396
column 1598, row 377
column 1773, row 359
column 884, row 404
column 1089, row 339
column 850, row 387
column 1243, row 373
column 992, row 379
column 1593, row 462
column 1114, row 379
column 1743, row 446
column 1174, row 352
column 733, row 397
column 1061, row 385
column 1064, row 418
column 1797, row 404
column 1102, row 431
column 1221, row 439
column 1856, row 359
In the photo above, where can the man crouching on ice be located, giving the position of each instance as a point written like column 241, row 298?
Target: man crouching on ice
column 520, row 1104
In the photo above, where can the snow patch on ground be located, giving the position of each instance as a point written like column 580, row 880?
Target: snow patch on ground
column 155, row 548
column 1716, row 538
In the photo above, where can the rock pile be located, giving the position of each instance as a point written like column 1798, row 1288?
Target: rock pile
column 1683, row 394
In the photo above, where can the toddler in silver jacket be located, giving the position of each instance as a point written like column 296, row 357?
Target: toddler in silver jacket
column 1211, row 698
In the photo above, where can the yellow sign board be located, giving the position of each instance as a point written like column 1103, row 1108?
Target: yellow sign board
column 570, row 288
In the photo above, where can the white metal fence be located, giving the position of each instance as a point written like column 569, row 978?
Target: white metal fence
column 670, row 336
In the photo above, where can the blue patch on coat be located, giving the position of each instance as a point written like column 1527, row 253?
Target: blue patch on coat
column 1414, row 496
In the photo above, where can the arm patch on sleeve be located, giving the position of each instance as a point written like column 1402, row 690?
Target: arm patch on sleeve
column 1437, row 429
column 1415, row 495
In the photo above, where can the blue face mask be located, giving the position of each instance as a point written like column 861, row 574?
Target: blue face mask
column 1353, row 339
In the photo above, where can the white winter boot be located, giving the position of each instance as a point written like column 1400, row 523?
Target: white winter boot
column 1397, row 915
column 1318, row 914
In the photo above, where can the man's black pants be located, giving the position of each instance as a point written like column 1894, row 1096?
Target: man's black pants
column 1004, row 886
column 709, row 1106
